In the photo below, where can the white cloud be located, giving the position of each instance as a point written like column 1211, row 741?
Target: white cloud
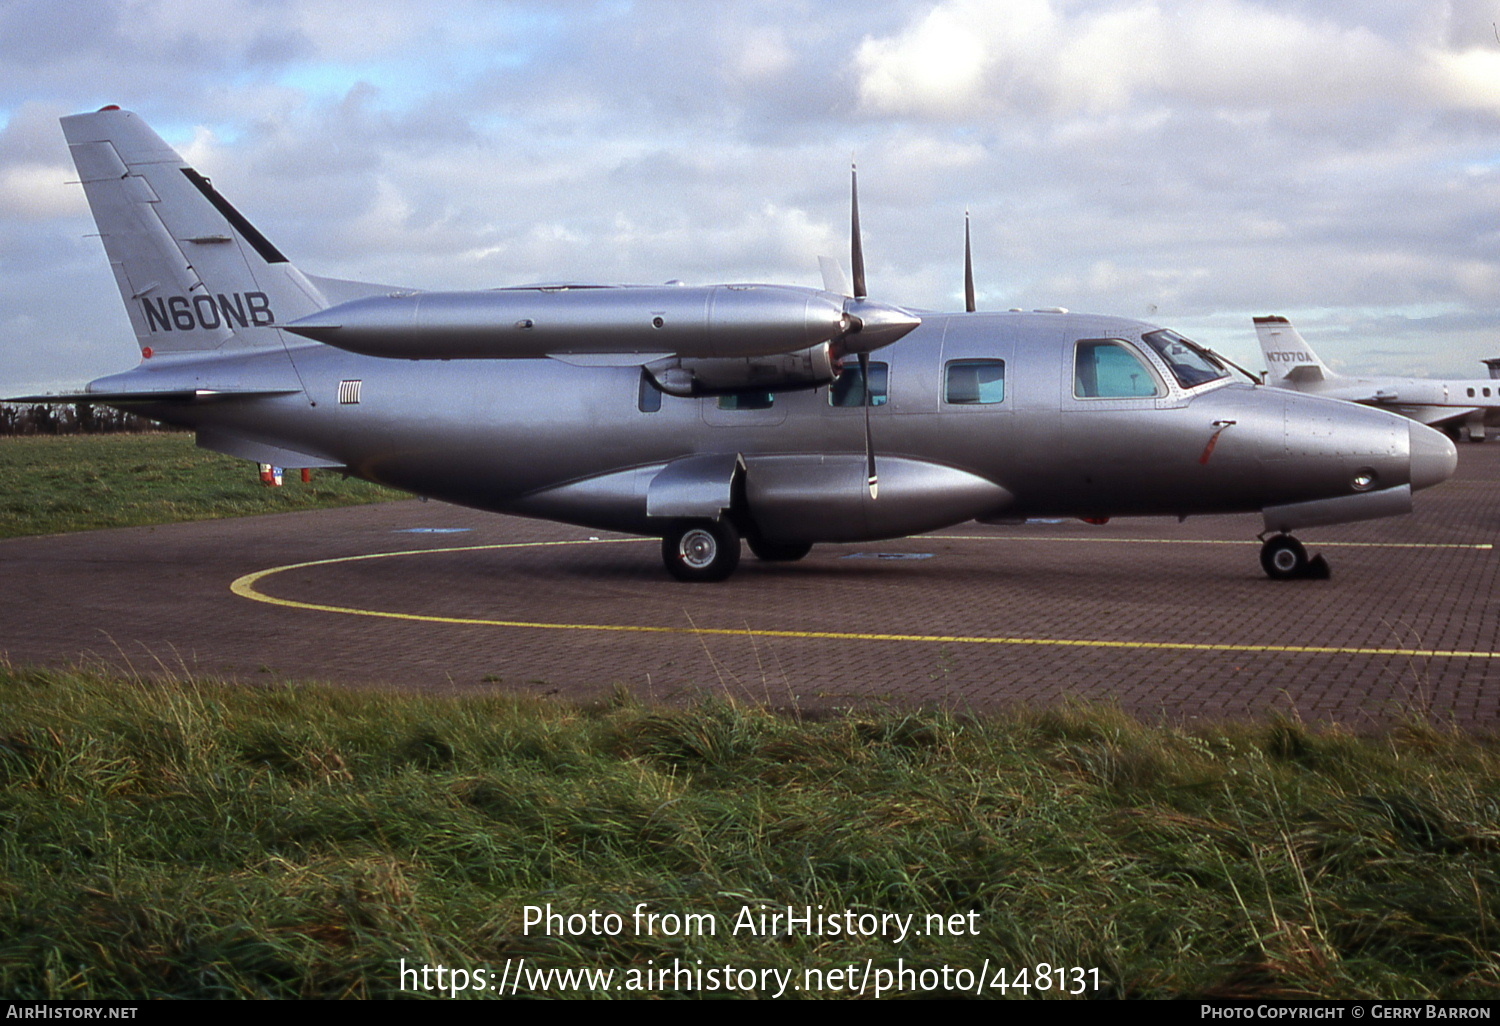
column 38, row 192
column 763, row 54
column 977, row 59
column 1469, row 78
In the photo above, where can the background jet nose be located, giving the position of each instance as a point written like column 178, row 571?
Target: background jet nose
column 1434, row 457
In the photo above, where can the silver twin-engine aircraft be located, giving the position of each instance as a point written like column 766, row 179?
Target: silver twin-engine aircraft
column 780, row 415
column 1291, row 363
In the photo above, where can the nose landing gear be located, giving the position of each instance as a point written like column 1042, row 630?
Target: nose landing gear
column 1284, row 559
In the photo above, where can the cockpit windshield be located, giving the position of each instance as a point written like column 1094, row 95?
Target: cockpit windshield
column 1190, row 363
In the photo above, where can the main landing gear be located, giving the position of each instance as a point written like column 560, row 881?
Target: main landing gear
column 1284, row 559
column 701, row 550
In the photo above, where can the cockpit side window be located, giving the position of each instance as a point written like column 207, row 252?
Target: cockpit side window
column 648, row 398
column 974, row 382
column 848, row 389
column 1191, row 365
column 747, row 401
column 1107, row 369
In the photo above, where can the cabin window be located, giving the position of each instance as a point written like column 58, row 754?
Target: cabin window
column 1106, row 369
column 648, row 399
column 1471, row 393
column 1190, row 364
column 974, row 382
column 747, row 401
column 848, row 389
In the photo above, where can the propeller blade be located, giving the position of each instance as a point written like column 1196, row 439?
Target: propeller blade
column 871, row 478
column 968, row 268
column 834, row 279
column 856, row 247
column 877, row 324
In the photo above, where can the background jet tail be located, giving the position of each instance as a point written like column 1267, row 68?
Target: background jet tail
column 194, row 273
column 1289, row 359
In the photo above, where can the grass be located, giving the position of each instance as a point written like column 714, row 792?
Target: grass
column 51, row 484
column 192, row 839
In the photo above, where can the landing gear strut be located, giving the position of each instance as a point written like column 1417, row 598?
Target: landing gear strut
column 701, row 550
column 1283, row 558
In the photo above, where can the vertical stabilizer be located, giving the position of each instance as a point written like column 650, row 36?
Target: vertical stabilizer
column 1289, row 360
column 194, row 273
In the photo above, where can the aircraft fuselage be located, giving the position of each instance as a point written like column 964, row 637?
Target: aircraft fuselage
column 544, row 438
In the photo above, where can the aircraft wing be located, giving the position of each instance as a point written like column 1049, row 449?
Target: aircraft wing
column 1369, row 394
column 1362, row 393
column 1432, row 416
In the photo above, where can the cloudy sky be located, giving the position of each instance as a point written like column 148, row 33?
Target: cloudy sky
column 1189, row 163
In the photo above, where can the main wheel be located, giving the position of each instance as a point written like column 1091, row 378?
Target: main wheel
column 701, row 550
column 1283, row 558
column 779, row 552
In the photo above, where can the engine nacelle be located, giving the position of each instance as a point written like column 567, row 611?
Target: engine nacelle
column 779, row 372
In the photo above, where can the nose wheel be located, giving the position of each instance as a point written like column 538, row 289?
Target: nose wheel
column 1284, row 559
column 701, row 550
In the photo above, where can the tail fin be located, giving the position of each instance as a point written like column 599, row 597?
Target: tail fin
column 1289, row 360
column 194, row 274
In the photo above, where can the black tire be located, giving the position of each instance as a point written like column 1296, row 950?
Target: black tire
column 701, row 550
column 779, row 552
column 1283, row 558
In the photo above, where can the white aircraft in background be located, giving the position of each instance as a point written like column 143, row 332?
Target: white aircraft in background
column 1449, row 405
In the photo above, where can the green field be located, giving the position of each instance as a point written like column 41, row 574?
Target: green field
column 201, row 840
column 82, row 482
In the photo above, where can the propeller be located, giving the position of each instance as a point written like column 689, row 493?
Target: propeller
column 871, row 324
column 857, row 265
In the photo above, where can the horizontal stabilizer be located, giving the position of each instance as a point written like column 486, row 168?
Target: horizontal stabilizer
column 247, row 448
column 181, row 395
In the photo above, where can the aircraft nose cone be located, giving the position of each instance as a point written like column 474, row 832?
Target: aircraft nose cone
column 1434, row 457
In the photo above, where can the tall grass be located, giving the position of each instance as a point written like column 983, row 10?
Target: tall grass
column 195, row 839
column 56, row 484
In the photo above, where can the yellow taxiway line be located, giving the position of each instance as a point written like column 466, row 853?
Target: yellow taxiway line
column 246, row 587
column 1471, row 547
